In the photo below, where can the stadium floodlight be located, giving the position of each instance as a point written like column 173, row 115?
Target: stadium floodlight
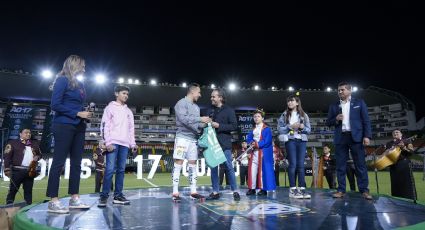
column 328, row 89
column 184, row 84
column 121, row 80
column 46, row 73
column 212, row 86
column 291, row 88
column 80, row 77
column 256, row 87
column 137, row 82
column 232, row 86
column 153, row 82
column 130, row 81
column 100, row 78
column 355, row 89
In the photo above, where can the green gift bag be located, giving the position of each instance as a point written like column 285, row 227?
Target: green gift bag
column 213, row 153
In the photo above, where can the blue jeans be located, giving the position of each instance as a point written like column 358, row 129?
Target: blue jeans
column 296, row 156
column 115, row 162
column 230, row 171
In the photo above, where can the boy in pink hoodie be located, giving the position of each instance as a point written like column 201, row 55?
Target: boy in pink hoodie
column 117, row 131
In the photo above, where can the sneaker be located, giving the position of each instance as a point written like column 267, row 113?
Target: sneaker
column 304, row 194
column 102, row 202
column 57, row 207
column 293, row 193
column 77, row 204
column 338, row 195
column 262, row 193
column 250, row 192
column 176, row 198
column 121, row 200
column 367, row 196
column 196, row 196
column 236, row 196
column 213, row 196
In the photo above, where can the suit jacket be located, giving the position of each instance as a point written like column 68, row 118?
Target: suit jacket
column 67, row 102
column 15, row 151
column 359, row 120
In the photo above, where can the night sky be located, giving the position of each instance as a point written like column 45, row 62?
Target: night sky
column 311, row 46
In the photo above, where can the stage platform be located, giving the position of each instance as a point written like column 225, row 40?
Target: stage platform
column 152, row 208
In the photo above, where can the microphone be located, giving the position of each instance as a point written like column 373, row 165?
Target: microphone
column 340, row 112
column 90, row 108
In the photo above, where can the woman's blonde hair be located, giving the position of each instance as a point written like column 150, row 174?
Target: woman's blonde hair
column 70, row 68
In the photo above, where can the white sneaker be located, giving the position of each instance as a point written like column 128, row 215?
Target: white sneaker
column 77, row 204
column 57, row 207
column 303, row 193
column 294, row 193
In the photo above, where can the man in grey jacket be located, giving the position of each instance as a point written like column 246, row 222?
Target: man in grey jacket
column 189, row 124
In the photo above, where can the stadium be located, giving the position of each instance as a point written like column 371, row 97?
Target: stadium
column 25, row 102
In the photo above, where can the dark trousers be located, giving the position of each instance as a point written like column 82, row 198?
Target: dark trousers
column 351, row 172
column 330, row 178
column 358, row 154
column 69, row 139
column 402, row 180
column 20, row 176
column 223, row 174
column 99, row 181
column 276, row 174
column 243, row 174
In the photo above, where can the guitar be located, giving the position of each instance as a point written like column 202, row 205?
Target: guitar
column 391, row 155
column 32, row 169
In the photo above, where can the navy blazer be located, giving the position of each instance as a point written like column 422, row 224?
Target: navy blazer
column 67, row 102
column 359, row 120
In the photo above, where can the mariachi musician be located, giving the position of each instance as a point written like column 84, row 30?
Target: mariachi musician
column 99, row 160
column 402, row 180
column 20, row 162
column 328, row 165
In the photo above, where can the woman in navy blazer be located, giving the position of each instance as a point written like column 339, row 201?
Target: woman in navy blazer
column 68, row 131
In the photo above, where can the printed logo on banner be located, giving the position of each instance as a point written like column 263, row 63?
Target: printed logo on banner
column 226, row 207
column 18, row 117
column 245, row 125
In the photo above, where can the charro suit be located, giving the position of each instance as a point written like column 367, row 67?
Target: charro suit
column 351, row 140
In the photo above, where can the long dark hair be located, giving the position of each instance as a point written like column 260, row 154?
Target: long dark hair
column 299, row 107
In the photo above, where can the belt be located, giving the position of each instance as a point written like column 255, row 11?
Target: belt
column 20, row 167
column 346, row 132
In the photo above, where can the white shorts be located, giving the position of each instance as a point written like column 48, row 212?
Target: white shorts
column 185, row 149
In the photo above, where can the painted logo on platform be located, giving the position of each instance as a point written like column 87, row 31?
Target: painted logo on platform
column 251, row 207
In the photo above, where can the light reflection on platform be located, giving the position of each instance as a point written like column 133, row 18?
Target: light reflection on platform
column 152, row 208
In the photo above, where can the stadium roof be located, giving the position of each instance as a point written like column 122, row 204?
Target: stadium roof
column 24, row 87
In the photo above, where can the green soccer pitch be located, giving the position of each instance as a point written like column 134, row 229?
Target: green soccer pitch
column 164, row 179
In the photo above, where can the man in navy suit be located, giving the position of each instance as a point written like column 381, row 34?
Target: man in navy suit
column 352, row 133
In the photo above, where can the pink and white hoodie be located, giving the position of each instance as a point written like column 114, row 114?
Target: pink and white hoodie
column 118, row 125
